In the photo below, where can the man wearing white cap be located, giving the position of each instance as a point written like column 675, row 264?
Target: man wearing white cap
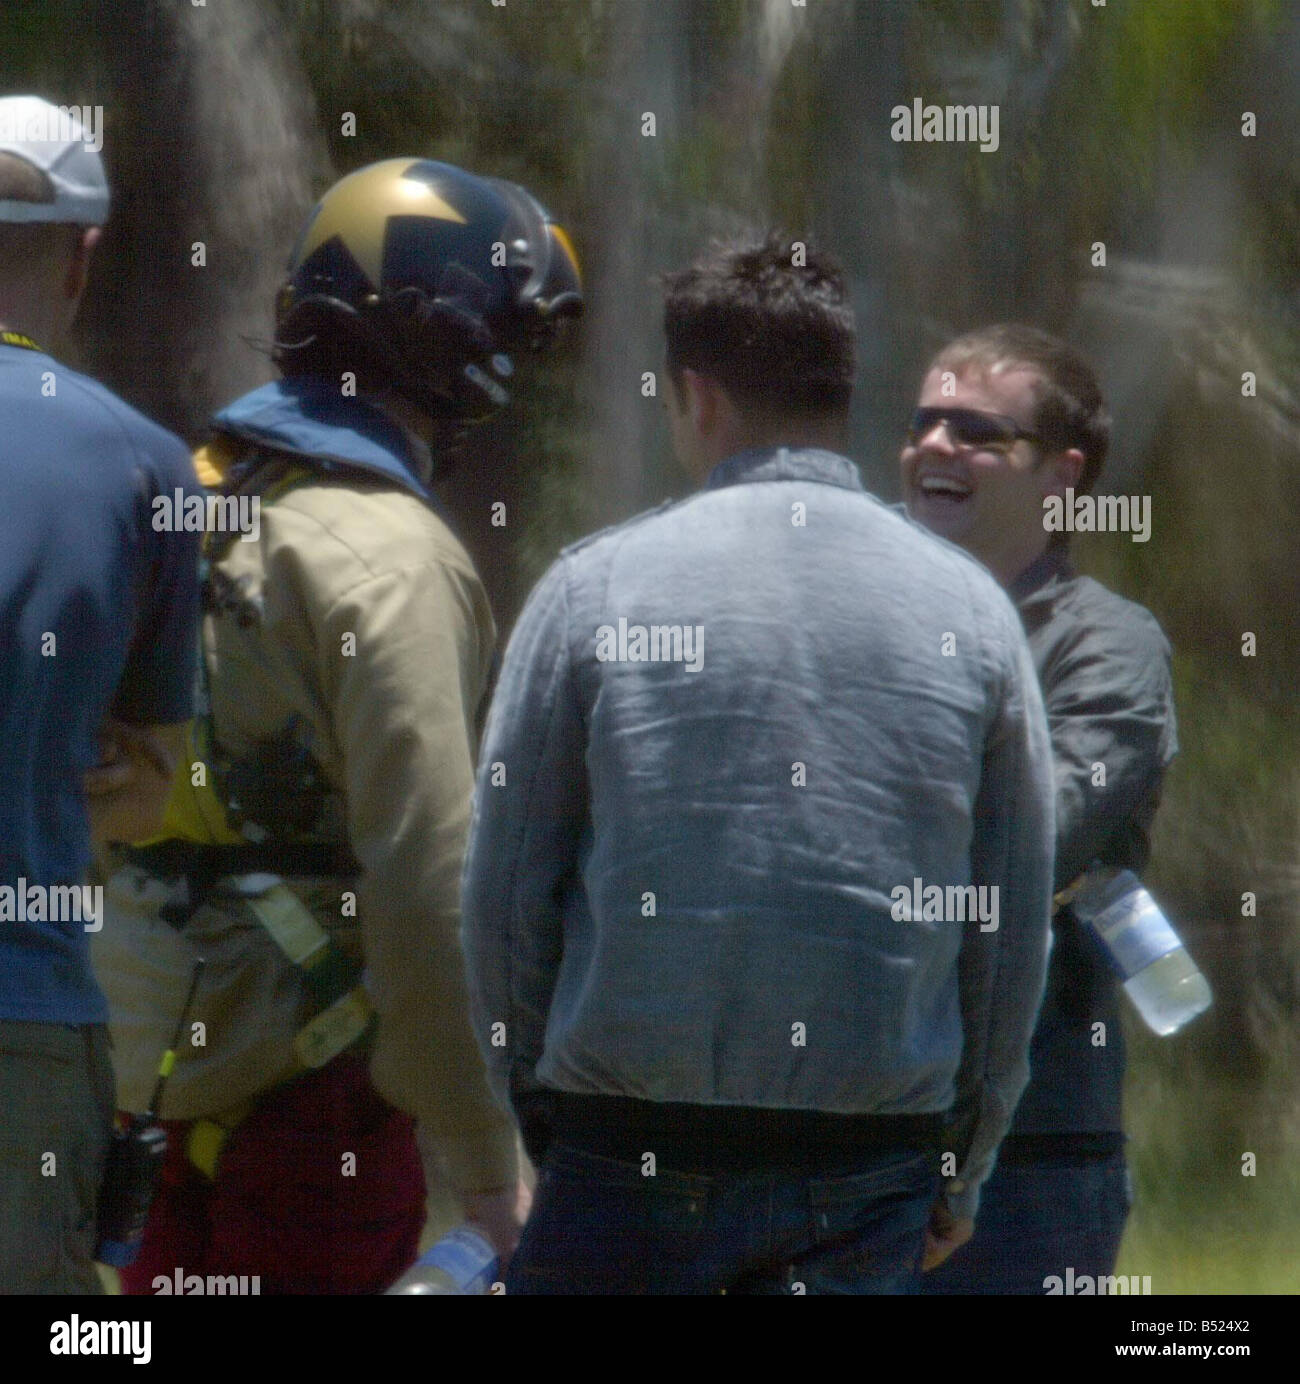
column 98, row 611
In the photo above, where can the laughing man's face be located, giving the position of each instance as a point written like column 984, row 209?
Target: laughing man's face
column 987, row 499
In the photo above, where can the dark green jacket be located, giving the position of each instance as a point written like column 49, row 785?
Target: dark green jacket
column 1103, row 665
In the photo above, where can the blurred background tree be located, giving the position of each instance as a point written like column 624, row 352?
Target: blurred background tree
column 1121, row 130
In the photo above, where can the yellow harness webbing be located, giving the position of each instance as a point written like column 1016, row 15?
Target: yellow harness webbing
column 196, row 813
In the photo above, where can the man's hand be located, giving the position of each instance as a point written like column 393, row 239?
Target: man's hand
column 943, row 1235
column 127, row 790
column 500, row 1215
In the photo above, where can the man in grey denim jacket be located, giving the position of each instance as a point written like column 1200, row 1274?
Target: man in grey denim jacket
column 757, row 895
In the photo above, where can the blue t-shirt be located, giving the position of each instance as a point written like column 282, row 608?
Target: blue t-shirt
column 98, row 617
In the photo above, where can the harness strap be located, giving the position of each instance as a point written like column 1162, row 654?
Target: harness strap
column 345, row 1014
column 175, row 857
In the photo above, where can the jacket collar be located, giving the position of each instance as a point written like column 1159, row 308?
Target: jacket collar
column 1054, row 563
column 309, row 418
column 785, row 464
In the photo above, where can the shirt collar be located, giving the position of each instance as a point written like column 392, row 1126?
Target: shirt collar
column 785, row 464
column 1055, row 562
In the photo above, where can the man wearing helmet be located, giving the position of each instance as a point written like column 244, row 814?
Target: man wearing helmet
column 314, row 845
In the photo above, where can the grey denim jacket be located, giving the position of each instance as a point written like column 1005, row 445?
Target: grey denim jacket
column 735, row 741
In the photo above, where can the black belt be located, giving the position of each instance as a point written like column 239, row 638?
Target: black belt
column 1059, row 1150
column 197, row 860
column 691, row 1138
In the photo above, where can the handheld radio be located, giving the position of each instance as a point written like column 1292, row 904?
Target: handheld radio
column 135, row 1162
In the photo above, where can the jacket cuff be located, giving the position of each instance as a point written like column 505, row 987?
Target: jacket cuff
column 961, row 1198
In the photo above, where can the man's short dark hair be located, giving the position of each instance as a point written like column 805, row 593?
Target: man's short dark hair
column 1069, row 409
column 770, row 320
column 30, row 248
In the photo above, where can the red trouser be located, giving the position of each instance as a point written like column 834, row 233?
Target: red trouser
column 283, row 1206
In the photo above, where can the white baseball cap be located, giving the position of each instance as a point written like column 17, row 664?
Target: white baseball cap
column 54, row 139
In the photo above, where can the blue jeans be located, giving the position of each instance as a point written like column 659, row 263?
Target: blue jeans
column 1036, row 1220
column 599, row 1226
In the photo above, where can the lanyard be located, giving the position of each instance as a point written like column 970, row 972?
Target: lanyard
column 18, row 339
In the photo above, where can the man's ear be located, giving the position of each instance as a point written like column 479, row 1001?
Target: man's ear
column 74, row 281
column 1062, row 471
column 703, row 400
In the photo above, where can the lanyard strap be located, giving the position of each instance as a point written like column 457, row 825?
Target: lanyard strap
column 18, row 339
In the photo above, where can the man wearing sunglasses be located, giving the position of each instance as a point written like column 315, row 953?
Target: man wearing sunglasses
column 1009, row 416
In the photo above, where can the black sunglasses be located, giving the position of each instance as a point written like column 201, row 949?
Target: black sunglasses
column 969, row 427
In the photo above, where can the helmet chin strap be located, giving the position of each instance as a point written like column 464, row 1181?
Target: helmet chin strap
column 445, row 446
column 461, row 394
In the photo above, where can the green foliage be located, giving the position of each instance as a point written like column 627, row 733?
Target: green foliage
column 558, row 496
column 1145, row 91
column 1148, row 72
column 497, row 90
column 794, row 126
column 36, row 54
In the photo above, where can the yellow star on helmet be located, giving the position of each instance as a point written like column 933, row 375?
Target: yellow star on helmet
column 357, row 209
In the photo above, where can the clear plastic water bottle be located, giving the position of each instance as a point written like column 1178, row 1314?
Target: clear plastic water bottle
column 462, row 1263
column 1159, row 976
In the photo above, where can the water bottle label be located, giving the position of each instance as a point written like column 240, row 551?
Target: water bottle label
column 1136, row 932
column 117, row 1254
column 467, row 1257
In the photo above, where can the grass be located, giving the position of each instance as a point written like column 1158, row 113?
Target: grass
column 1199, row 1225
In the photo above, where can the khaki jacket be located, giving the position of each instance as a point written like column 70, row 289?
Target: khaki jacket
column 363, row 615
